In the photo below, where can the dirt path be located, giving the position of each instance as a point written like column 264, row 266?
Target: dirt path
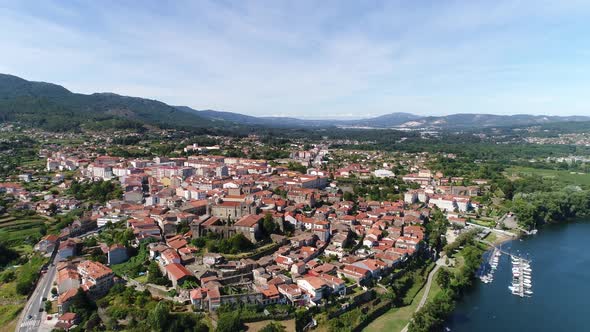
column 424, row 298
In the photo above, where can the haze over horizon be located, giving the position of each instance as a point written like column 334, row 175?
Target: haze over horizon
column 310, row 59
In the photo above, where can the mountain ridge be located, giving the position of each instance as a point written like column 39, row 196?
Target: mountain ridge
column 401, row 120
column 51, row 106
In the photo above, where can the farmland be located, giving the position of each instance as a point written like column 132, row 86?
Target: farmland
column 16, row 231
column 565, row 177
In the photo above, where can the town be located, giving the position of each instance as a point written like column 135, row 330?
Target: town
column 212, row 231
column 294, row 166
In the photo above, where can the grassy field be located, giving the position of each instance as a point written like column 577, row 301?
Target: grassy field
column 396, row 318
column 24, row 230
column 257, row 326
column 566, row 177
column 142, row 279
column 9, row 312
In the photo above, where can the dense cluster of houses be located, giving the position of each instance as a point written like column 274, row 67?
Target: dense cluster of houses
column 333, row 245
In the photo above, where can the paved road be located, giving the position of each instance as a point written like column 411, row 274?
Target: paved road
column 439, row 263
column 36, row 302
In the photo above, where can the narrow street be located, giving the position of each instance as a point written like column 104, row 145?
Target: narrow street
column 35, row 302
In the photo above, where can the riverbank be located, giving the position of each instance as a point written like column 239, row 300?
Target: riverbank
column 499, row 239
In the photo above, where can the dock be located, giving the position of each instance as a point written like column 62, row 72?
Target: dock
column 521, row 277
column 521, row 271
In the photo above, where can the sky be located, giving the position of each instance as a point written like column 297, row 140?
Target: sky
column 311, row 59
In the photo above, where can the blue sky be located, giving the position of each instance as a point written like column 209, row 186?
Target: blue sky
column 311, row 59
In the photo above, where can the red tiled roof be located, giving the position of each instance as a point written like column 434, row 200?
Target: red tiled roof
column 94, row 270
column 177, row 271
column 68, row 316
column 248, row 220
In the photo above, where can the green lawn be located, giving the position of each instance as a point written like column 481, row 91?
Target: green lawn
column 396, row 318
column 566, row 177
column 142, row 279
column 491, row 237
column 485, row 223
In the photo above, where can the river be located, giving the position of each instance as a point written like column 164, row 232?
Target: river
column 560, row 274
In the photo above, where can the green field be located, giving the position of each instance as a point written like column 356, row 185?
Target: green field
column 18, row 231
column 9, row 312
column 565, row 177
column 396, row 318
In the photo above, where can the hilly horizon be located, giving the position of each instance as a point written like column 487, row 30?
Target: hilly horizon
column 54, row 107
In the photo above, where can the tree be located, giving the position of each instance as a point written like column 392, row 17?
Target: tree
column 48, row 306
column 82, row 305
column 6, row 255
column 52, row 209
column 24, row 285
column 273, row 327
column 348, row 196
column 155, row 275
column 92, row 322
column 158, row 317
column 229, row 322
column 443, row 278
column 268, row 224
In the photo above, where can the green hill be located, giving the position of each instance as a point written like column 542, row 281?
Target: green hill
column 53, row 107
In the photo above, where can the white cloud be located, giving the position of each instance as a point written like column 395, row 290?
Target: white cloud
column 296, row 58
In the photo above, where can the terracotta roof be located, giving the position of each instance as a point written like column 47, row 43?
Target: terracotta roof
column 211, row 221
column 355, row 270
column 95, row 270
column 67, row 273
column 315, row 282
column 51, row 238
column 269, row 291
column 67, row 295
column 248, row 220
column 177, row 271
column 68, row 316
column 197, row 294
column 291, row 289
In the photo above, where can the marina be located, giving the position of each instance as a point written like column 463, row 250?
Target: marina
column 486, row 272
column 521, row 283
column 521, row 277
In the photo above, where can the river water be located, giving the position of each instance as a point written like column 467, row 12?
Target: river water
column 560, row 281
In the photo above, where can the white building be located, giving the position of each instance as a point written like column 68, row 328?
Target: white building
column 102, row 221
column 383, row 173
